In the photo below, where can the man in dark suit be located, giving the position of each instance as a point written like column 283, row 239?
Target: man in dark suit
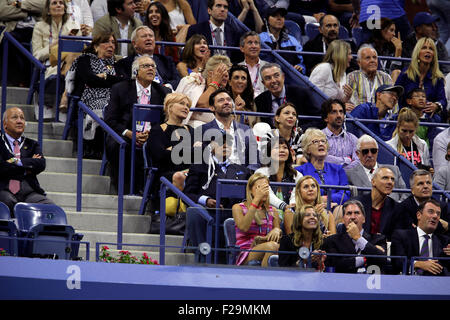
column 201, row 182
column 143, row 41
column 379, row 208
column 218, row 31
column 354, row 240
column 423, row 241
column 328, row 31
column 361, row 174
column 21, row 160
column 421, row 183
column 277, row 93
column 119, row 113
column 244, row 147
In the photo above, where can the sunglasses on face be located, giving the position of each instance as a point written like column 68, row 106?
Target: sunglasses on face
column 366, row 151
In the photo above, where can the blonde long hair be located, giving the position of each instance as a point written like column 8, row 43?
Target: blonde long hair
column 297, row 226
column 413, row 71
column 299, row 202
column 248, row 193
column 405, row 115
column 337, row 56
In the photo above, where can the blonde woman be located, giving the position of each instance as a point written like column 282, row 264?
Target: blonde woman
column 257, row 224
column 329, row 76
column 406, row 142
column 200, row 86
column 423, row 72
column 307, row 191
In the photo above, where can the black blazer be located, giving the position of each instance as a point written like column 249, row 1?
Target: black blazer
column 407, row 215
column 342, row 243
column 406, row 243
column 299, row 96
column 388, row 216
column 30, row 169
column 118, row 113
column 164, row 64
column 198, row 176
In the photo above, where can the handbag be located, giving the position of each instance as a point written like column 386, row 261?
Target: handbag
column 175, row 225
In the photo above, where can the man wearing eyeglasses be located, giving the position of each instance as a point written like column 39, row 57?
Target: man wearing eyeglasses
column 140, row 89
column 361, row 175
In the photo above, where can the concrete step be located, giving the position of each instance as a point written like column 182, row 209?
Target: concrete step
column 57, row 148
column 67, row 182
column 28, row 110
column 52, row 130
column 95, row 221
column 136, row 239
column 100, row 203
column 69, row 165
column 16, row 95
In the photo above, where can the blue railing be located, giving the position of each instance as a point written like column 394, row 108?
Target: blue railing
column 37, row 64
column 81, row 111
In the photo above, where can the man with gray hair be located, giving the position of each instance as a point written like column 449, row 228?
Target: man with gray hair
column 143, row 41
column 278, row 93
column 361, row 174
column 367, row 79
column 118, row 113
column 421, row 184
column 353, row 239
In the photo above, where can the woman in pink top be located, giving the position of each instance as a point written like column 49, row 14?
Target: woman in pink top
column 257, row 226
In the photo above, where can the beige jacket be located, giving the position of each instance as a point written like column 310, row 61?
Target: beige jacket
column 10, row 15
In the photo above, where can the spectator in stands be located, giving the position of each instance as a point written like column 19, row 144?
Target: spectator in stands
column 121, row 21
column 21, row 160
column 342, row 144
column 18, row 18
column 423, row 241
column 312, row 11
column 172, row 141
column 118, row 114
column 180, row 13
column 95, row 74
column 439, row 149
column 407, row 143
column 386, row 97
column 384, row 41
column 279, row 168
column 80, row 12
column 277, row 37
column 307, row 192
column 341, row 9
column 99, row 8
column 278, row 93
column 361, row 175
column 257, row 225
column 241, row 89
column 217, row 30
column 315, row 148
column 442, row 176
column 244, row 148
column 250, row 45
column 328, row 32
column 157, row 18
column 199, row 87
column 45, row 41
column 143, row 41
column 421, row 184
column 242, row 8
column 364, row 82
column 354, row 239
column 425, row 27
column 329, row 76
column 416, row 99
column 305, row 233
column 195, row 55
column 439, row 9
column 423, row 72
column 380, row 209
column 286, row 126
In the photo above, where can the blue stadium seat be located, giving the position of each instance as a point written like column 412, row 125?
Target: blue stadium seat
column 230, row 240
column 8, row 231
column 294, row 30
column 47, row 224
column 357, row 36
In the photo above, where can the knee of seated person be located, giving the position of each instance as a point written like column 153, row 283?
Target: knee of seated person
column 178, row 177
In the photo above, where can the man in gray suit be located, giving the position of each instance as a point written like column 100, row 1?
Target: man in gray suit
column 361, row 175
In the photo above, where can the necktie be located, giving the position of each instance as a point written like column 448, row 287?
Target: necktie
column 144, row 97
column 218, row 35
column 14, row 185
column 321, row 177
column 425, row 251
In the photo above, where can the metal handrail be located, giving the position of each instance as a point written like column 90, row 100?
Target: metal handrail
column 85, row 109
column 39, row 65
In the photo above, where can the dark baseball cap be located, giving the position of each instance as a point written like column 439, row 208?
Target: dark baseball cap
column 423, row 18
column 272, row 11
column 388, row 87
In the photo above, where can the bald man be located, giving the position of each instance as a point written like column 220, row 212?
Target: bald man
column 21, row 160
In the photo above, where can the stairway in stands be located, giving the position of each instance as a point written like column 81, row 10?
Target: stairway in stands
column 98, row 218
